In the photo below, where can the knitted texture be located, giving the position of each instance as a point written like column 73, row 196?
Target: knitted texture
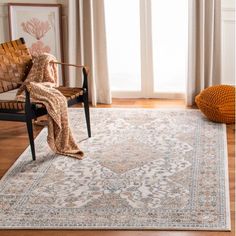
column 218, row 103
column 41, row 80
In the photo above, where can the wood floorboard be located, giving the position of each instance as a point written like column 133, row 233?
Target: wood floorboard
column 14, row 140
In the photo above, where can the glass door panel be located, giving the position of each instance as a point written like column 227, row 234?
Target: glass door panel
column 170, row 44
column 123, row 44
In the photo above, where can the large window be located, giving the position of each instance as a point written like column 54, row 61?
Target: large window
column 147, row 47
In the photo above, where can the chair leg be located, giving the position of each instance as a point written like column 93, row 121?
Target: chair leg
column 31, row 137
column 86, row 110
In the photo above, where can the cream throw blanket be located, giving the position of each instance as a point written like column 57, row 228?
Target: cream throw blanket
column 40, row 82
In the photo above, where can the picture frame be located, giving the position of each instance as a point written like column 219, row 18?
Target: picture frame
column 41, row 27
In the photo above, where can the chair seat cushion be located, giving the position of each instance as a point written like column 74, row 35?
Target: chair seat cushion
column 12, row 105
column 70, row 93
column 218, row 103
column 8, row 102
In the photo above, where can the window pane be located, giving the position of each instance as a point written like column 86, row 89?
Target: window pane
column 123, row 44
column 170, row 41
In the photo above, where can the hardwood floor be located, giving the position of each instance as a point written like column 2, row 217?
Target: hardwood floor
column 14, row 139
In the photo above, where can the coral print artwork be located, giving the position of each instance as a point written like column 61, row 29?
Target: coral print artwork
column 39, row 32
column 40, row 26
column 37, row 29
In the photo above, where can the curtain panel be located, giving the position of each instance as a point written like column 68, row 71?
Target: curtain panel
column 204, row 57
column 87, row 46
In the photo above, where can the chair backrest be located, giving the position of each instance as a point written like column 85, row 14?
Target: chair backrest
column 15, row 63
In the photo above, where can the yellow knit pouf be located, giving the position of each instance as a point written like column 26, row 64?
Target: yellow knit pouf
column 218, row 103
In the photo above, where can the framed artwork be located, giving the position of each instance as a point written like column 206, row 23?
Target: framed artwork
column 40, row 26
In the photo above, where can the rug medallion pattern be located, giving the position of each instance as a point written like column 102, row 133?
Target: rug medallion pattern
column 143, row 169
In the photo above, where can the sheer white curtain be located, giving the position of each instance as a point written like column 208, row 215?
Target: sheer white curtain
column 87, row 45
column 204, row 60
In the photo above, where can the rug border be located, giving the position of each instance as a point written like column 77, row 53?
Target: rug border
column 227, row 193
column 227, row 190
column 107, row 228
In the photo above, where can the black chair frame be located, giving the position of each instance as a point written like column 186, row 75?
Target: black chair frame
column 32, row 112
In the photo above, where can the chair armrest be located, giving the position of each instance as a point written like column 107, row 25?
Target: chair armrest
column 84, row 68
column 74, row 65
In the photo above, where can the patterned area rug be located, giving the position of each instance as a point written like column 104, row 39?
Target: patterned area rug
column 143, row 169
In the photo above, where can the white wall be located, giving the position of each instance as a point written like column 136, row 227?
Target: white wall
column 228, row 32
column 228, row 41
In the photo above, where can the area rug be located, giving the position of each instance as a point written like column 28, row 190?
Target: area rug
column 143, row 169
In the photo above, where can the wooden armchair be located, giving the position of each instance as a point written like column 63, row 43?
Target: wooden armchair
column 15, row 63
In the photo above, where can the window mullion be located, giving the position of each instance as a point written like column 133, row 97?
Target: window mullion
column 147, row 81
